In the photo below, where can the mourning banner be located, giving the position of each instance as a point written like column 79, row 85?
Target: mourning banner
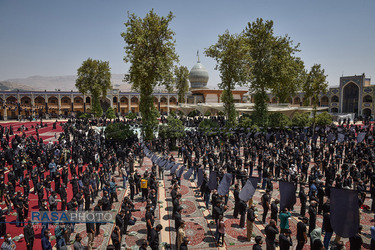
column 361, row 136
column 174, row 168
column 180, row 171
column 340, row 137
column 212, row 182
column 248, row 190
column 224, row 185
column 344, row 212
column 200, row 177
column 287, row 194
column 169, row 165
column 188, row 173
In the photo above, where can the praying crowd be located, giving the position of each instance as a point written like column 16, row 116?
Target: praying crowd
column 82, row 171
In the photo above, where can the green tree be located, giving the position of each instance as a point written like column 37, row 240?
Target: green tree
column 110, row 114
column 231, row 55
column 245, row 122
column 301, row 120
column 315, row 85
column 273, row 65
column 279, row 120
column 150, row 50
column 323, row 119
column 94, row 78
column 173, row 129
column 181, row 82
column 118, row 131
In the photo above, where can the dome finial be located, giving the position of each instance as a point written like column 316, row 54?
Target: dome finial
column 198, row 56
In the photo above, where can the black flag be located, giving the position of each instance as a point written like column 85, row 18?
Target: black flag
column 340, row 137
column 212, row 182
column 344, row 212
column 200, row 177
column 180, row 171
column 224, row 185
column 361, row 136
column 188, row 173
column 287, row 194
column 174, row 168
column 169, row 165
column 249, row 189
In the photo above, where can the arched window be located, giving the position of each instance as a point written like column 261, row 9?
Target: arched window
column 335, row 98
column 367, row 98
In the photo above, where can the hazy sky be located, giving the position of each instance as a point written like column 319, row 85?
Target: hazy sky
column 52, row 38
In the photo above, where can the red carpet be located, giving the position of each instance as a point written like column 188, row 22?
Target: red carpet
column 45, row 133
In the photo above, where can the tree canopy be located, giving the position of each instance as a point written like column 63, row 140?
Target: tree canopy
column 94, row 78
column 232, row 61
column 181, row 82
column 150, row 50
column 274, row 66
column 314, row 85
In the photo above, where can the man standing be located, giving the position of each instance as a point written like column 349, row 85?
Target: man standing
column 98, row 208
column 274, row 210
column 77, row 244
column 301, row 233
column 236, row 194
column 284, row 220
column 285, row 241
column 312, row 214
column 46, row 244
column 271, row 231
column 250, row 221
column 154, row 237
column 29, row 234
column 90, row 229
column 327, row 228
column 303, row 199
column 52, row 168
column 265, row 204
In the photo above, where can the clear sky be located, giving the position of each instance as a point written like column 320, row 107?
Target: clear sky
column 52, row 38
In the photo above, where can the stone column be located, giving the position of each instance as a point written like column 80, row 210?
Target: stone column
column 129, row 103
column 59, row 104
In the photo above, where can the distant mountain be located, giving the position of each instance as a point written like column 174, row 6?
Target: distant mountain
column 51, row 83
column 11, row 86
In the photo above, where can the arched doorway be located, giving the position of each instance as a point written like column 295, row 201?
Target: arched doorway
column 334, row 110
column 366, row 112
column 350, row 98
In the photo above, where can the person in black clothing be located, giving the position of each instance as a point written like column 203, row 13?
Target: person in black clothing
column 271, row 231
column 312, row 214
column 149, row 220
column 236, row 194
column 265, row 204
column 154, row 237
column 356, row 240
column 274, row 209
column 303, row 199
column 301, row 233
column 242, row 210
column 178, row 219
column 327, row 228
column 120, row 221
column 98, row 208
column 29, row 235
column 258, row 243
column 116, row 238
column 250, row 222
column 184, row 244
column 285, row 241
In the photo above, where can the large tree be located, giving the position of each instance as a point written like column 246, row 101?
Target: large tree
column 314, row 85
column 150, row 50
column 274, row 68
column 94, row 78
column 232, row 60
column 181, row 82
